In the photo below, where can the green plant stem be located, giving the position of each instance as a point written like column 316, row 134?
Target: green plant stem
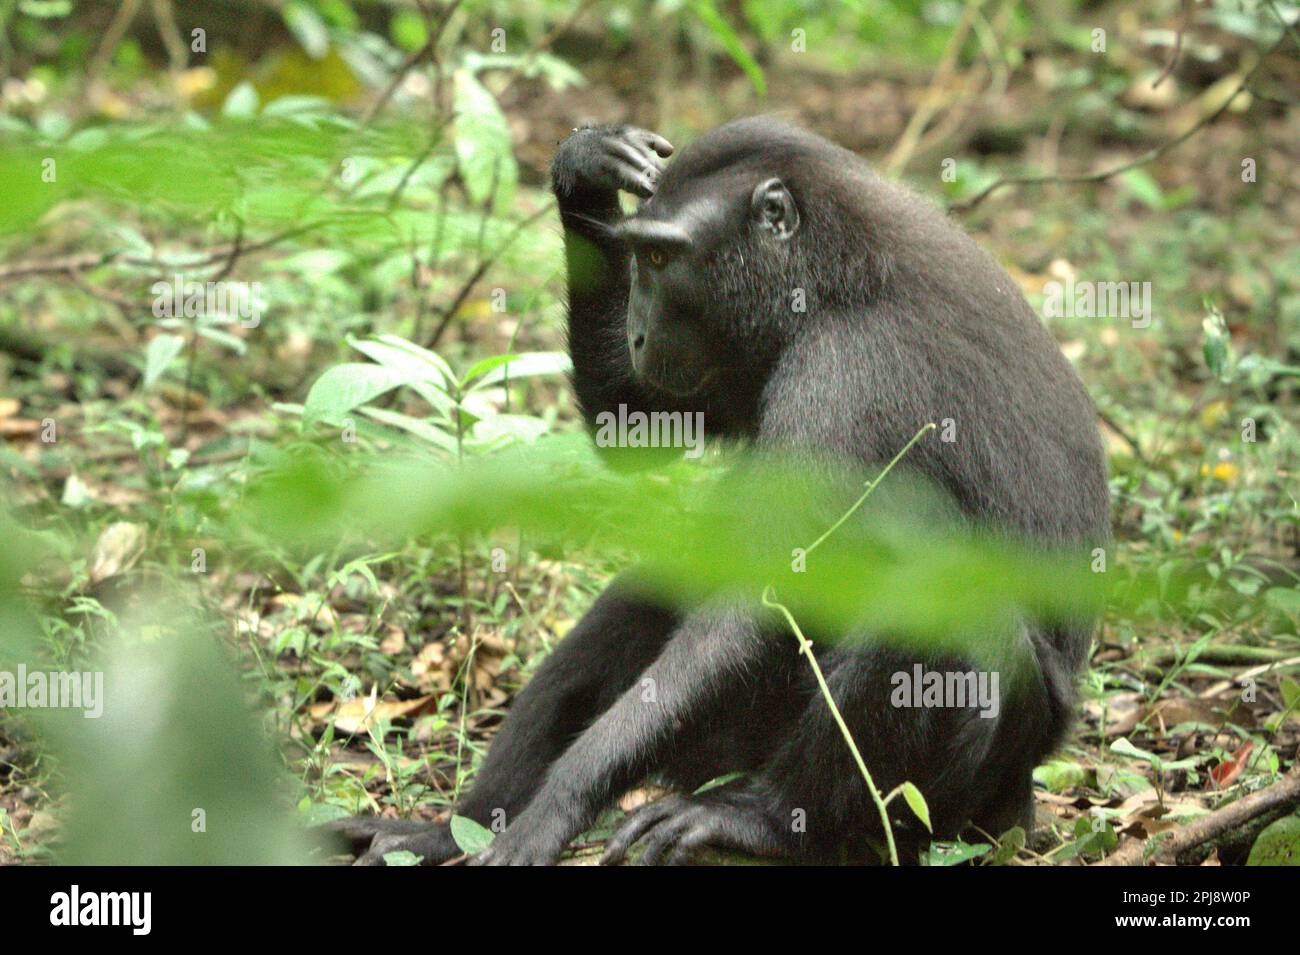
column 871, row 486
column 806, row 648
column 467, row 676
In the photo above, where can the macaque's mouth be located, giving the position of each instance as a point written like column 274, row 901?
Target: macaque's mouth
column 679, row 389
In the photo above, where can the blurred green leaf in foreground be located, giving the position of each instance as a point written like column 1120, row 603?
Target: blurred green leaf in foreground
column 168, row 766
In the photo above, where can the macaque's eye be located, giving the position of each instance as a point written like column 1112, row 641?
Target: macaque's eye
column 657, row 258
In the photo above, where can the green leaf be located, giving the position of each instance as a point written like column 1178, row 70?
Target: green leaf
column 307, row 28
column 416, row 426
column 428, row 374
column 484, row 152
column 241, row 103
column 498, row 368
column 162, row 351
column 394, row 352
column 1058, row 775
column 955, row 853
column 470, row 837
column 718, row 781
column 296, row 105
column 1009, row 843
column 225, row 339
column 557, row 72
column 1215, row 347
column 698, row 535
column 483, row 366
column 346, row 386
column 1290, row 692
column 916, row 802
column 1279, row 844
column 1124, row 748
column 1144, row 188
column 46, row 9
column 402, row 857
column 1286, row 599
column 408, row 30
column 501, row 430
column 725, row 35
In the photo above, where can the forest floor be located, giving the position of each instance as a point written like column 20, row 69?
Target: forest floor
column 1184, row 707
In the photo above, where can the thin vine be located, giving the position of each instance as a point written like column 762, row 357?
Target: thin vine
column 908, row 790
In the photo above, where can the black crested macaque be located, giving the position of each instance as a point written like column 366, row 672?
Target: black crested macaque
column 687, row 306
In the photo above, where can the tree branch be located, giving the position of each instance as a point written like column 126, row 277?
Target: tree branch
column 1156, row 152
column 1282, row 793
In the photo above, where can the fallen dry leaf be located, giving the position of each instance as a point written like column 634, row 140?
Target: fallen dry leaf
column 394, row 641
column 119, row 546
column 1122, row 711
column 636, row 798
column 19, row 427
column 358, row 715
column 1221, row 776
column 315, row 611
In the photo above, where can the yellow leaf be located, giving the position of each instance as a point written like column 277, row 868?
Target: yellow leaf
column 358, row 715
column 1224, row 471
column 1213, row 414
column 119, row 546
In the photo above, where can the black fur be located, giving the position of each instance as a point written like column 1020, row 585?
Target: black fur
column 907, row 321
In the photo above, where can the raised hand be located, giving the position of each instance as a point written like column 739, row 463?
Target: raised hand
column 609, row 158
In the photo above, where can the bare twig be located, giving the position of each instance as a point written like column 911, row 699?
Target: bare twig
column 1124, row 435
column 191, row 360
column 1286, row 24
column 545, row 42
column 987, row 34
column 236, row 250
column 1246, row 675
column 410, row 63
column 1284, row 792
column 35, row 349
column 427, row 51
column 395, row 196
column 178, row 53
column 1154, row 153
column 435, row 256
column 62, row 264
column 931, row 99
column 468, row 285
column 117, row 28
column 1178, row 45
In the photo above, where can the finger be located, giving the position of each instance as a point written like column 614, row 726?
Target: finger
column 635, row 174
column 356, row 827
column 656, row 142
column 688, row 845
column 383, row 845
column 357, row 832
column 662, row 839
column 636, row 156
column 631, row 154
column 634, row 827
column 372, row 856
column 631, row 179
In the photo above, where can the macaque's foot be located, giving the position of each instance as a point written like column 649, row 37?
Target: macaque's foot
column 537, row 837
column 674, row 829
column 370, row 838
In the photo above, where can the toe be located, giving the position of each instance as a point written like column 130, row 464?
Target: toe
column 634, row 827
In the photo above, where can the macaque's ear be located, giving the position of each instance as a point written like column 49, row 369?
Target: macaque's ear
column 773, row 208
